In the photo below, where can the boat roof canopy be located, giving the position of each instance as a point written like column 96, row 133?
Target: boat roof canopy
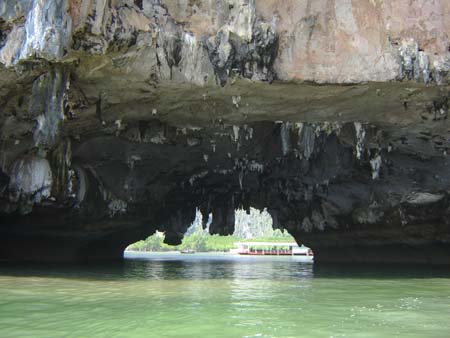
column 293, row 244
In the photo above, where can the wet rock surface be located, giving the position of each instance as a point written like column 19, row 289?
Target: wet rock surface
column 122, row 118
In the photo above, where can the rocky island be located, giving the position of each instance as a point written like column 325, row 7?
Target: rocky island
column 120, row 118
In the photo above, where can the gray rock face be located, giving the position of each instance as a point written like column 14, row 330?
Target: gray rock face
column 48, row 103
column 45, row 32
column 30, row 182
column 121, row 118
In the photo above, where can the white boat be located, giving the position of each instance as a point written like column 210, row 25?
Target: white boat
column 273, row 249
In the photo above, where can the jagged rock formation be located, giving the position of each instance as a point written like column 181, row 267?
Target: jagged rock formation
column 120, row 118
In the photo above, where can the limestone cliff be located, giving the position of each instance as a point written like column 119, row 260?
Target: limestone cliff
column 119, row 118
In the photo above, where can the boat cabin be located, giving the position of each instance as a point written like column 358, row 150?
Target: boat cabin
column 273, row 249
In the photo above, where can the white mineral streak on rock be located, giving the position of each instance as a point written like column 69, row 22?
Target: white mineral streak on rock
column 82, row 183
column 70, row 177
column 424, row 66
column 41, row 122
column 242, row 18
column 117, row 207
column 375, row 164
column 415, row 63
column 159, row 138
column 285, row 133
column 236, row 133
column 48, row 30
column 306, row 139
column 306, row 225
column 408, row 51
column 241, row 178
column 360, row 138
column 224, row 48
column 368, row 215
column 255, row 167
column 47, row 102
column 423, row 198
column 309, row 140
column 236, row 100
column 223, row 171
column 441, row 67
column 318, row 220
column 250, row 133
column 32, row 177
column 299, row 127
column 196, row 177
column 10, row 52
column 132, row 160
column 98, row 19
column 194, row 65
column 192, row 141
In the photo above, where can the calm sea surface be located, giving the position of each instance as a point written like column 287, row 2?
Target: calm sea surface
column 174, row 295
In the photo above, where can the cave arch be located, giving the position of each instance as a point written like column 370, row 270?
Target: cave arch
column 339, row 188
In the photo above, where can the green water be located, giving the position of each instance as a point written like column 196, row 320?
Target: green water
column 222, row 296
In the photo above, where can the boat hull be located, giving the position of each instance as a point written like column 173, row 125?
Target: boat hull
column 271, row 254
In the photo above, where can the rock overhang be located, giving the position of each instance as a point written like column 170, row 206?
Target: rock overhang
column 145, row 113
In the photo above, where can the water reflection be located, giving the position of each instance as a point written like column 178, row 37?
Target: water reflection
column 205, row 267
column 221, row 296
column 160, row 266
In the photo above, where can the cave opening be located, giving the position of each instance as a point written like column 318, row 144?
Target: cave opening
column 252, row 226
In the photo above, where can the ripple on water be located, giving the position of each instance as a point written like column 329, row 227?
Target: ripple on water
column 220, row 296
